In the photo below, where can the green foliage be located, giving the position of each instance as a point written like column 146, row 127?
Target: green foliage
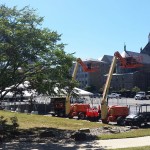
column 15, row 124
column 123, row 90
column 148, row 89
column 3, row 122
column 135, row 89
column 90, row 88
column 30, row 52
column 8, row 130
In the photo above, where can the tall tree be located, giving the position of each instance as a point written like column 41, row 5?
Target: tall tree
column 30, row 52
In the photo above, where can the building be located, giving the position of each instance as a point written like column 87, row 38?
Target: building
column 95, row 80
column 129, row 78
column 146, row 49
column 123, row 78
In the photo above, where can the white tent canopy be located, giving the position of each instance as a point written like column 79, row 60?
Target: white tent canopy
column 81, row 92
column 26, row 93
column 30, row 93
column 76, row 90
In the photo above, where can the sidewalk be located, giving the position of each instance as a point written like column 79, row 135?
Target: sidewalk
column 93, row 145
column 121, row 143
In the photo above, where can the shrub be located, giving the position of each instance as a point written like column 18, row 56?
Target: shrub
column 8, row 130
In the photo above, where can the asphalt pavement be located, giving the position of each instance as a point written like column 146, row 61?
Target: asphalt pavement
column 114, row 101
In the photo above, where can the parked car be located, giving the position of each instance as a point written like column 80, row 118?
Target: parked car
column 142, row 95
column 114, row 95
column 142, row 116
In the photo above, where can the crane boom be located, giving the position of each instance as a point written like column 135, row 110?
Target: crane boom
column 85, row 69
column 88, row 67
column 104, row 109
column 129, row 62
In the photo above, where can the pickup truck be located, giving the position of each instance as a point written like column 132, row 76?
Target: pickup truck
column 142, row 95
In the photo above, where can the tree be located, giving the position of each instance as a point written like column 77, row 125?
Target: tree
column 90, row 88
column 135, row 89
column 123, row 90
column 30, row 52
column 148, row 89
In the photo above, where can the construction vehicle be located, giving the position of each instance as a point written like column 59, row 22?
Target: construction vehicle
column 58, row 106
column 86, row 68
column 116, row 113
column 81, row 111
column 84, row 111
column 140, row 117
column 61, row 105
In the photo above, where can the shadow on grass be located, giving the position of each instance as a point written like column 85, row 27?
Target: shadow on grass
column 50, row 146
column 47, row 139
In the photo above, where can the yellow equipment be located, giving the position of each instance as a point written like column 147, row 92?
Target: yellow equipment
column 86, row 68
column 128, row 62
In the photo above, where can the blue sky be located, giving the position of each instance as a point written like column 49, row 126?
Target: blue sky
column 93, row 28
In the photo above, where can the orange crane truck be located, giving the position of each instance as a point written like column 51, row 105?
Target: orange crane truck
column 116, row 113
column 61, row 105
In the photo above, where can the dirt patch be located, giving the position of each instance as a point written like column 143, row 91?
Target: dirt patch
column 64, row 136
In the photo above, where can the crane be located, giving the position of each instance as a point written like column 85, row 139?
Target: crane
column 86, row 68
column 128, row 62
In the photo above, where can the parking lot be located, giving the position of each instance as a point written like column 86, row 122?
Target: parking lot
column 94, row 102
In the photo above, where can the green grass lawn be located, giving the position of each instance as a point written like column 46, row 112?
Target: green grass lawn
column 29, row 121
column 130, row 134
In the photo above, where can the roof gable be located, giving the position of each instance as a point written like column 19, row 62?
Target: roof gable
column 146, row 49
column 107, row 58
column 144, row 58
